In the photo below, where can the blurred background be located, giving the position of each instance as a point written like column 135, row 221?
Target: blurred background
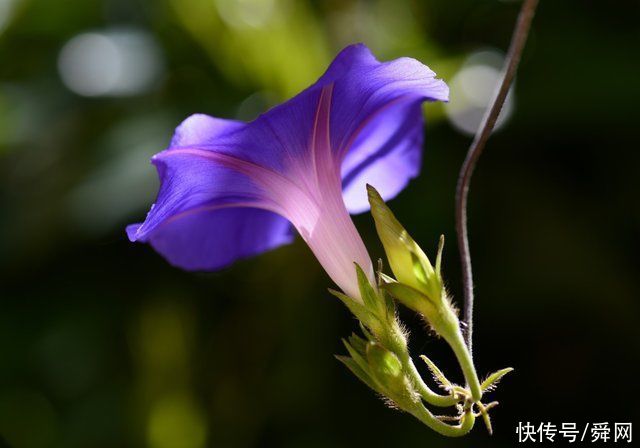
column 103, row 344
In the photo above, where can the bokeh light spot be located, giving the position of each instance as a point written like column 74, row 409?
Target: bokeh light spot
column 176, row 422
column 27, row 419
column 6, row 11
column 118, row 62
column 472, row 89
column 246, row 13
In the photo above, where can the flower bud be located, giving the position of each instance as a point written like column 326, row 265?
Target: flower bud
column 419, row 284
column 386, row 369
column 409, row 263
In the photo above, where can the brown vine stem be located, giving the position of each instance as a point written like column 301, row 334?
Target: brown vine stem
column 518, row 40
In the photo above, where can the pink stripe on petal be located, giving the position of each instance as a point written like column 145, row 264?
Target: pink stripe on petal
column 310, row 196
column 320, row 215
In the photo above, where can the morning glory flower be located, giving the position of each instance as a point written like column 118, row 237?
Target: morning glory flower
column 230, row 190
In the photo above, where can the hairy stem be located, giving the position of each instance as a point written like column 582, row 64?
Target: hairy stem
column 463, row 355
column 467, row 421
column 399, row 347
column 475, row 150
column 425, row 392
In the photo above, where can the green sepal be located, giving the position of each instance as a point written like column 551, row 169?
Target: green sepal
column 484, row 412
column 358, row 343
column 441, row 316
column 357, row 371
column 438, row 376
column 357, row 355
column 367, row 317
column 356, row 308
column 492, row 380
column 384, row 279
column 412, row 298
column 438, row 267
column 368, row 294
column 366, row 332
column 390, row 306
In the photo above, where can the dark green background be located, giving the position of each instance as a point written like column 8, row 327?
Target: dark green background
column 103, row 344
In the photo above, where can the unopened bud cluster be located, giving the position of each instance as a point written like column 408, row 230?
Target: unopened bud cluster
column 381, row 358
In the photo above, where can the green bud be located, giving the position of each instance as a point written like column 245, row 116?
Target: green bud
column 385, row 364
column 400, row 248
column 419, row 284
column 408, row 262
column 386, row 370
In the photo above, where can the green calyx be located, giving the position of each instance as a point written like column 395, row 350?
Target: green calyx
column 375, row 310
column 379, row 368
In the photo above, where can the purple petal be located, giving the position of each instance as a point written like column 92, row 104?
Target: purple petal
column 211, row 240
column 365, row 95
column 191, row 181
column 203, row 217
column 386, row 154
column 278, row 139
column 365, row 87
column 222, row 181
column 376, row 120
column 201, row 130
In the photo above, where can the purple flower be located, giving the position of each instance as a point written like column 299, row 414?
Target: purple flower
column 230, row 190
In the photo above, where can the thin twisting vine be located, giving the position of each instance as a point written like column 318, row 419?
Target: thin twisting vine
column 512, row 61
